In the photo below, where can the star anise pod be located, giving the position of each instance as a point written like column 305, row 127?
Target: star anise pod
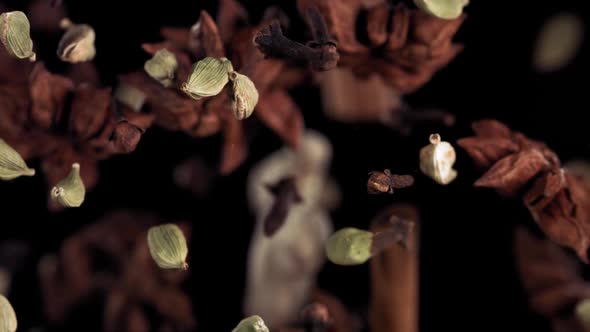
column 519, row 166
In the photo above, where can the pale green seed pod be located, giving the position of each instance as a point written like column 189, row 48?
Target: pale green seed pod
column 251, row 324
column 583, row 313
column 77, row 44
column 437, row 160
column 15, row 34
column 445, row 9
column 558, row 42
column 162, row 67
column 244, row 95
column 70, row 191
column 208, row 78
column 168, row 246
column 12, row 164
column 8, row 321
column 349, row 246
column 130, row 96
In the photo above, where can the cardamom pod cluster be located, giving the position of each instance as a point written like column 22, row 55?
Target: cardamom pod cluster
column 70, row 191
column 168, row 247
column 12, row 164
column 445, row 9
column 583, row 313
column 8, row 321
column 349, row 246
column 162, row 67
column 251, row 324
column 244, row 95
column 77, row 44
column 208, row 78
column 15, row 34
column 437, row 159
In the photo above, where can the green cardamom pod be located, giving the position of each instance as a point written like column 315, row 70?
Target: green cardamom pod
column 168, row 246
column 349, row 246
column 437, row 159
column 251, row 324
column 583, row 313
column 130, row 96
column 445, row 9
column 15, row 34
column 162, row 67
column 77, row 44
column 70, row 191
column 8, row 321
column 208, row 77
column 244, row 95
column 12, row 164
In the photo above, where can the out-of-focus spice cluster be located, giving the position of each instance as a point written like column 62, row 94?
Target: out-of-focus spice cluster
column 111, row 258
column 519, row 166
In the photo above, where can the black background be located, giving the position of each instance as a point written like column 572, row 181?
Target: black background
column 468, row 281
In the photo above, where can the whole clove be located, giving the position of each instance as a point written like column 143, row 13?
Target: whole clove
column 321, row 53
column 385, row 182
column 286, row 195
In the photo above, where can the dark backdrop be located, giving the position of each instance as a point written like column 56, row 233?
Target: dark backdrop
column 468, row 281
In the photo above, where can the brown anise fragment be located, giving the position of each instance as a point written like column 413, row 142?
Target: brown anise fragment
column 139, row 296
column 558, row 202
column 551, row 279
column 385, row 182
column 406, row 46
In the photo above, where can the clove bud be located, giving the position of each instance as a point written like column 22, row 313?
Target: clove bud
column 70, row 191
column 168, row 247
column 8, row 321
column 208, row 78
column 77, row 44
column 162, row 67
column 244, row 95
column 12, row 164
column 15, row 34
column 437, row 159
column 251, row 324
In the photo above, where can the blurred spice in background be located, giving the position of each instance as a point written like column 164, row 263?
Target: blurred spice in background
column 468, row 273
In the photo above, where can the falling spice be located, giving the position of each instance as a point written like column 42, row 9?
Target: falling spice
column 286, row 194
column 12, row 164
column 445, row 9
column 77, row 44
column 385, row 182
column 208, row 78
column 8, row 321
column 15, row 34
column 558, row 42
column 349, row 246
column 70, row 191
column 162, row 67
column 437, row 160
column 251, row 324
column 244, row 95
column 168, row 246
column 583, row 313
column 353, row 246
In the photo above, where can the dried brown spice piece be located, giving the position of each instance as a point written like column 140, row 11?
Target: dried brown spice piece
column 552, row 280
column 394, row 273
column 511, row 173
column 385, row 182
column 286, row 194
column 130, row 281
column 47, row 93
column 485, row 151
column 415, row 46
column 558, row 202
column 320, row 53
